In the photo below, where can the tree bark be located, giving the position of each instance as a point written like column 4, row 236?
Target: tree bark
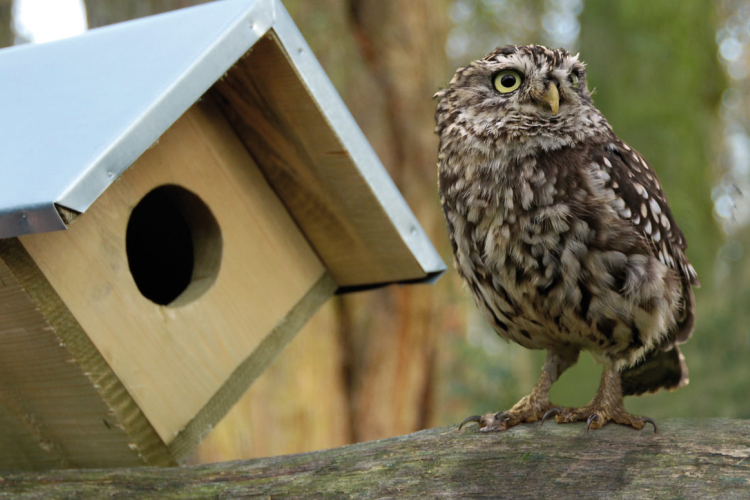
column 687, row 459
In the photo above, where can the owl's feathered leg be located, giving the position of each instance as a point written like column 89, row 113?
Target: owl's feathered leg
column 533, row 407
column 606, row 407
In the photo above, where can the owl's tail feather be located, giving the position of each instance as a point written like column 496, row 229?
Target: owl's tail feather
column 658, row 370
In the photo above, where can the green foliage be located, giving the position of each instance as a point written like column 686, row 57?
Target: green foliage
column 659, row 84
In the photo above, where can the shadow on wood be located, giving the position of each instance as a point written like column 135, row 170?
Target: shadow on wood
column 687, row 459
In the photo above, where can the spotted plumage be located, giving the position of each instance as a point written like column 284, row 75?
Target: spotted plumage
column 561, row 231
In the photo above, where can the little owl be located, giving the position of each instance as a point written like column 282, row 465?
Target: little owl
column 561, row 232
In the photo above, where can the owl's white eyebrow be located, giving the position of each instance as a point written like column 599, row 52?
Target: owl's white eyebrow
column 503, row 67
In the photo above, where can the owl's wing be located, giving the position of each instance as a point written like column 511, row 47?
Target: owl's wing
column 640, row 199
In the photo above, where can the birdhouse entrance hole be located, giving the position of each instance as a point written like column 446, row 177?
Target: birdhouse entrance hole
column 173, row 244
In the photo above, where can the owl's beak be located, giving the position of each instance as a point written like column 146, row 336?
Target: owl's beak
column 552, row 97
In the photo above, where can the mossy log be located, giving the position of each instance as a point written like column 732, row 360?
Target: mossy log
column 686, row 459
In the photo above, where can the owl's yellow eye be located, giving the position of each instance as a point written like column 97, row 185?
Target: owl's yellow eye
column 507, row 81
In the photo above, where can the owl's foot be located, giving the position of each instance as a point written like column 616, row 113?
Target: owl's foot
column 604, row 408
column 528, row 409
column 501, row 421
column 596, row 416
column 533, row 407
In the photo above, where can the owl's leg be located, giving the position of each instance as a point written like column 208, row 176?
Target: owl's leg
column 606, row 407
column 533, row 407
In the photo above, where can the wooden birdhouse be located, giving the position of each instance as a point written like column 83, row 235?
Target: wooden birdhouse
column 178, row 195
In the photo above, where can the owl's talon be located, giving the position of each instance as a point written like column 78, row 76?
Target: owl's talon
column 551, row 412
column 473, row 418
column 649, row 420
column 590, row 420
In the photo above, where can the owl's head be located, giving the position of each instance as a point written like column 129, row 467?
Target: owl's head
column 519, row 98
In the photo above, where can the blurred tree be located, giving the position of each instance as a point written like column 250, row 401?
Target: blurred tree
column 728, row 320
column 104, row 12
column 6, row 23
column 481, row 25
column 394, row 333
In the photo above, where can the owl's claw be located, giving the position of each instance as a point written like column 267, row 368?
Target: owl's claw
column 473, row 418
column 592, row 417
column 503, row 420
column 649, row 420
column 499, row 421
column 597, row 416
column 552, row 411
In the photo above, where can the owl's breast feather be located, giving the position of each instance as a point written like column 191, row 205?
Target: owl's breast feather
column 550, row 264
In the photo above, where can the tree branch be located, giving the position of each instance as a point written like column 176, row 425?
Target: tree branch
column 687, row 459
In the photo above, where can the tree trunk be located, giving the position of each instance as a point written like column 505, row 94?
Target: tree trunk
column 394, row 333
column 104, row 12
column 687, row 459
column 7, row 35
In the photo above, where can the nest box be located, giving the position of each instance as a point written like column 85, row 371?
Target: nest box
column 178, row 195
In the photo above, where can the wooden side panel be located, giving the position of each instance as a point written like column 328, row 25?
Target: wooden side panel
column 230, row 393
column 311, row 171
column 51, row 416
column 173, row 360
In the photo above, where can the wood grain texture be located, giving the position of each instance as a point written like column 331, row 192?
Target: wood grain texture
column 251, row 368
column 51, row 415
column 310, row 169
column 688, row 459
column 173, row 360
column 302, row 393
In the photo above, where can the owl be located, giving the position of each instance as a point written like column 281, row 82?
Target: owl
column 562, row 233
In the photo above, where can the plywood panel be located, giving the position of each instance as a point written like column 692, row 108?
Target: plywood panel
column 303, row 393
column 51, row 416
column 310, row 169
column 172, row 360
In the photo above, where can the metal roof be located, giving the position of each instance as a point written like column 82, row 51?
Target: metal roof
column 75, row 113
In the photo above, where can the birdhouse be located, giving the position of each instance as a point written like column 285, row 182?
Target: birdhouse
column 178, row 195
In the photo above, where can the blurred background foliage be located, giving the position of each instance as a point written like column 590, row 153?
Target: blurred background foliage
column 670, row 76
